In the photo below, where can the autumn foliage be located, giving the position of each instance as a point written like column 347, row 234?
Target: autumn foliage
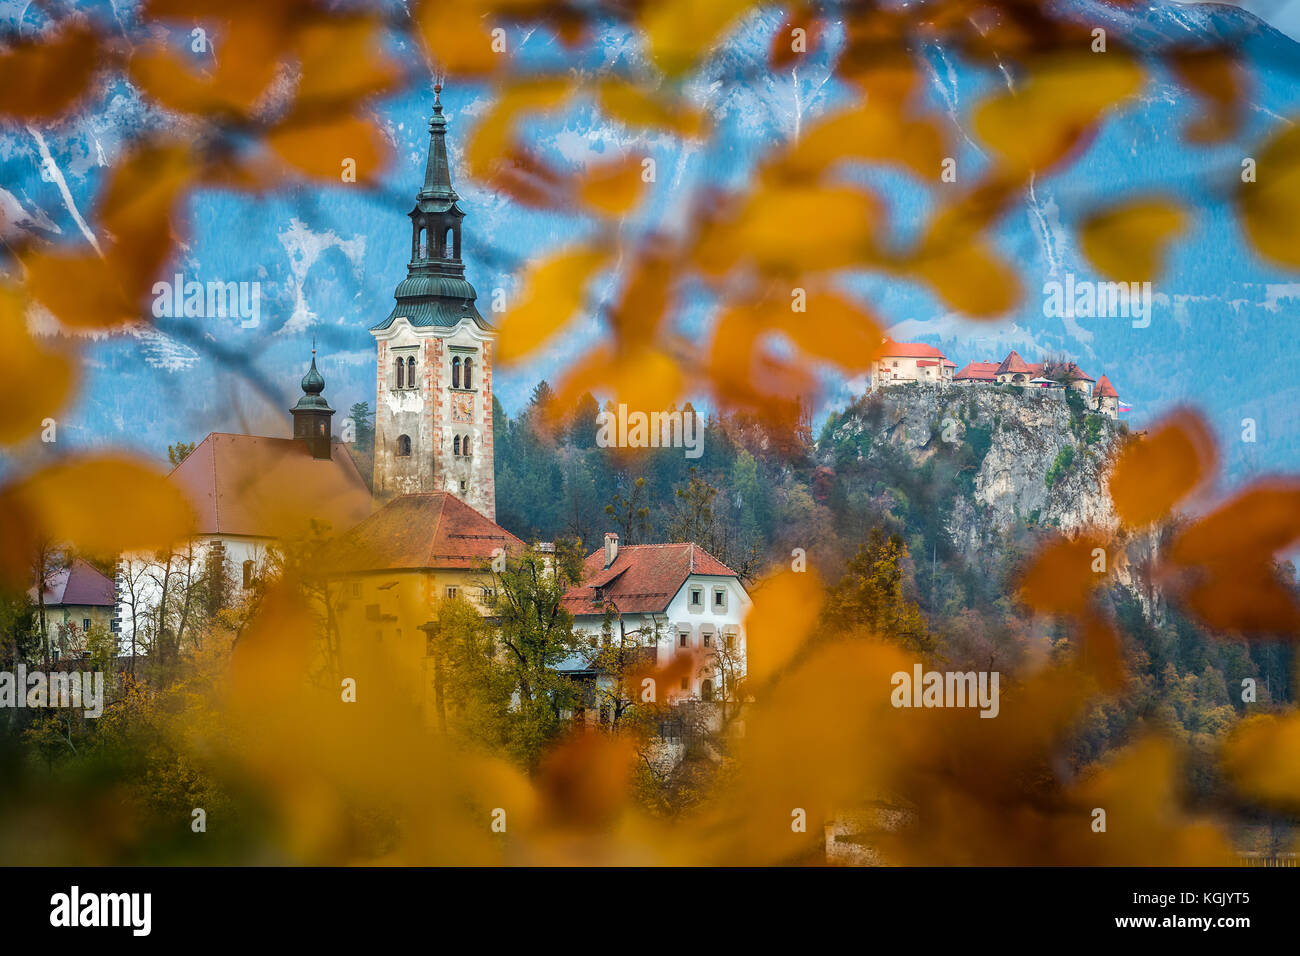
column 292, row 94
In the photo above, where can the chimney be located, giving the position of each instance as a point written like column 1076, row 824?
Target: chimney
column 611, row 547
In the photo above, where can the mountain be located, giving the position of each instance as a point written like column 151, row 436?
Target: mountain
column 327, row 258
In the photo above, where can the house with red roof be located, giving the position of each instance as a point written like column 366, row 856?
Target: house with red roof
column 906, row 362
column 77, row 597
column 676, row 602
column 390, row 578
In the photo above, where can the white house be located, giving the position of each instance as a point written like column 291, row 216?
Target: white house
column 248, row 493
column 671, row 599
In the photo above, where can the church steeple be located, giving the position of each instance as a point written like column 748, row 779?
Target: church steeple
column 312, row 414
column 437, row 171
column 435, row 292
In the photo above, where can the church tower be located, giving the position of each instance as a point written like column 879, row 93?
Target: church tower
column 312, row 414
column 433, row 413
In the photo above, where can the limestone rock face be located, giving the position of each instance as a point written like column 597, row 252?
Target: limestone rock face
column 1035, row 458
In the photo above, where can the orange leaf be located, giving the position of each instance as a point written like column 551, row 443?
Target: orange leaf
column 1154, row 473
column 44, row 78
column 612, row 188
column 320, row 146
column 1063, row 575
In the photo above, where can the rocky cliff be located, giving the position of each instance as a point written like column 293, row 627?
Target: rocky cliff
column 987, row 460
column 1037, row 456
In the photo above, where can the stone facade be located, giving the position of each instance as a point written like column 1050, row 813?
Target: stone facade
column 421, row 432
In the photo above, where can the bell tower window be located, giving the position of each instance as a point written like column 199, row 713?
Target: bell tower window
column 469, row 373
column 403, row 446
column 455, row 372
column 398, row 367
column 410, row 372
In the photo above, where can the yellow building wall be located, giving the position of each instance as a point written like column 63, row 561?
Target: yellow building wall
column 379, row 615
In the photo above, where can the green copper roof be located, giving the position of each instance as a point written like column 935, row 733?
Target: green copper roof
column 313, row 383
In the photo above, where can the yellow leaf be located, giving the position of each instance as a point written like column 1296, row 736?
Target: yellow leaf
column 784, row 614
column 34, row 382
column 101, row 504
column 1127, row 242
column 1055, row 108
column 872, row 132
column 1270, row 206
column 634, row 106
column 492, row 139
column 552, row 292
column 681, row 32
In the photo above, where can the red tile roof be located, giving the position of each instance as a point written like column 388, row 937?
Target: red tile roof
column 1013, row 364
column 910, row 350
column 435, row 530
column 269, row 487
column 1105, row 389
column 80, row 585
column 979, row 371
column 643, row 578
column 923, row 363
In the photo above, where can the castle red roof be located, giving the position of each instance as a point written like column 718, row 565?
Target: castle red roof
column 269, row 487
column 1105, row 389
column 978, row 371
column 910, row 350
column 433, row 530
column 643, row 578
column 1013, row 364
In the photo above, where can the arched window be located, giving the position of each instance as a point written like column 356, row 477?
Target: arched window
column 450, row 240
column 424, row 244
column 455, row 372
column 399, row 373
column 464, row 446
column 248, row 574
column 456, row 446
column 469, row 373
column 706, row 689
column 410, row 372
column 403, row 446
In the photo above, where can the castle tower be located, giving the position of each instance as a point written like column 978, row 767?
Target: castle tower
column 433, row 413
column 312, row 414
